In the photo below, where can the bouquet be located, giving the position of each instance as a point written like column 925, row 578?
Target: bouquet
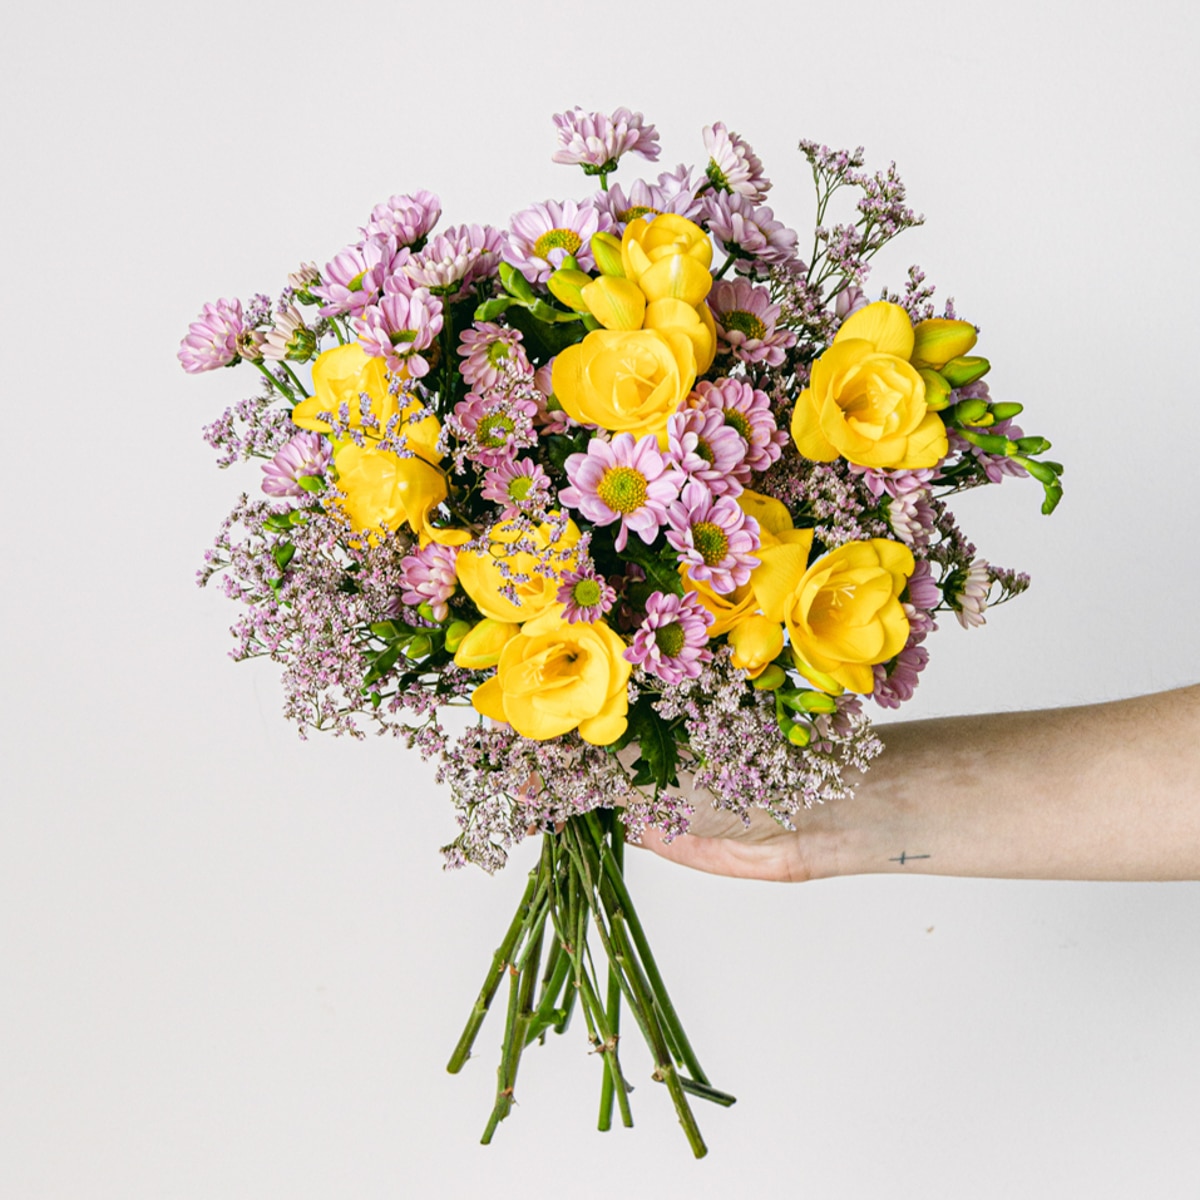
column 644, row 493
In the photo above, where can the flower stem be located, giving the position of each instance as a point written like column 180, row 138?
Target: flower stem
column 279, row 387
column 613, row 999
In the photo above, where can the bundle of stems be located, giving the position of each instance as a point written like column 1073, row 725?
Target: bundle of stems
column 576, row 890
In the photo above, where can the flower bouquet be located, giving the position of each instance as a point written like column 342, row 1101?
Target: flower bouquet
column 639, row 489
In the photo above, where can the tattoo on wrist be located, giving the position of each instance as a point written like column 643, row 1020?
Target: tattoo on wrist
column 905, row 857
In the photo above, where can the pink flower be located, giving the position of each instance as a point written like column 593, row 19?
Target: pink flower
column 623, row 481
column 517, row 486
column 850, row 300
column 495, row 427
column 212, row 341
column 490, row 349
column 672, row 642
column 896, row 681
column 704, row 447
column 746, row 323
column 429, row 577
column 748, row 411
column 713, row 536
column 542, row 236
column 596, row 142
column 968, row 593
column 407, row 219
column 355, row 277
column 673, row 193
column 732, row 165
column 403, row 323
column 456, row 259
column 306, row 454
column 586, row 594
column 749, row 234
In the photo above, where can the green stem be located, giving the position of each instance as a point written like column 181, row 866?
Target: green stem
column 283, row 391
column 295, row 379
column 613, row 999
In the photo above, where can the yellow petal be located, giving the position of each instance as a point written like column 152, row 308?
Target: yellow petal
column 482, row 646
column 756, row 641
column 885, row 325
column 615, row 303
column 777, row 576
column 938, row 340
column 678, row 277
column 806, row 430
column 488, row 699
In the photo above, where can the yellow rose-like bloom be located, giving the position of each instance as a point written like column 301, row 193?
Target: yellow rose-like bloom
column 384, row 491
column 865, row 401
column 555, row 676
column 647, row 248
column 625, row 381
column 481, row 578
column 843, row 614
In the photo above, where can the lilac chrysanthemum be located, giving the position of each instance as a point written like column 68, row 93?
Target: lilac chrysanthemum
column 704, row 447
column 622, row 480
column 306, row 454
column 714, row 537
column 585, row 594
column 488, row 350
column 896, row 681
column 289, row 337
column 748, row 233
column 881, row 482
column 407, row 219
column 429, row 577
column 355, row 277
column 405, row 321
column 672, row 642
column 455, row 260
column 746, row 323
column 494, row 427
column 968, row 592
column 517, row 486
column 675, row 192
column 849, row 300
column 748, row 411
column 596, row 142
column 732, row 165
column 542, row 236
column 213, row 340
column 912, row 517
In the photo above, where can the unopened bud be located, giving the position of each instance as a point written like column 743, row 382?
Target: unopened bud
column 772, row 678
column 419, row 647
column 606, row 250
column 1007, row 410
column 565, row 285
column 1033, row 445
column 455, row 634
column 959, row 372
column 969, row 412
column 937, row 390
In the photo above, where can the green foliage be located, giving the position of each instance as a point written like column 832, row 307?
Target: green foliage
column 657, row 739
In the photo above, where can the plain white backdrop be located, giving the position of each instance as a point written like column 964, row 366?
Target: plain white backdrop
column 230, row 963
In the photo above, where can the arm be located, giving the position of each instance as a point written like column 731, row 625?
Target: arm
column 1102, row 792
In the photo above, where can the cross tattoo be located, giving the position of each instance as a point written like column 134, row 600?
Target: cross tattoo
column 905, row 857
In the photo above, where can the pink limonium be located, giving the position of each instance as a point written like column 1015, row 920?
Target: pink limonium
column 623, row 480
column 306, row 454
column 596, row 142
column 746, row 322
column 672, row 642
column 355, row 277
column 704, row 447
column 493, row 427
column 518, row 486
column 488, row 349
column 455, row 260
column 542, row 236
column 408, row 219
column 429, row 577
column 747, row 410
column 675, row 192
column 748, row 233
column 404, row 322
column 585, row 594
column 714, row 537
column 212, row 341
column 732, row 165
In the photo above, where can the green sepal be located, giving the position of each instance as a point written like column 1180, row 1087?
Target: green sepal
column 515, row 284
column 959, row 372
column 489, row 310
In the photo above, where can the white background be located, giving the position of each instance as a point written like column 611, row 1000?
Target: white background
column 230, row 963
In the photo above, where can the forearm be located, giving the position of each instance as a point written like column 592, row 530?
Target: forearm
column 1099, row 792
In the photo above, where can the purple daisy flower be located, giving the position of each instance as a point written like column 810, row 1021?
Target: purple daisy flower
column 306, row 454
column 746, row 323
column 672, row 642
column 405, row 321
column 714, row 537
column 732, row 165
column 494, row 427
column 748, row 233
column 675, row 192
column 896, row 681
column 455, row 260
column 586, row 594
column 542, row 236
column 429, row 577
column 406, row 219
column 355, row 277
column 213, row 340
column 596, row 142
column 748, row 411
column 289, row 337
column 489, row 349
column 517, row 486
column 704, row 447
column 624, row 481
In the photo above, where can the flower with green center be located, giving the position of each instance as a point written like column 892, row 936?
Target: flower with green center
column 557, row 239
column 672, row 642
column 517, row 486
column 670, row 639
column 585, row 594
column 623, row 489
column 542, row 237
column 714, row 537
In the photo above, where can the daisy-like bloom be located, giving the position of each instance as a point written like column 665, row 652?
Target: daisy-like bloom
column 704, row 447
column 289, row 337
column 896, row 681
column 586, row 594
column 596, row 142
column 912, row 517
column 355, row 277
column 542, row 236
column 922, row 596
column 623, row 480
column 250, row 343
column 894, row 483
column 967, row 591
column 494, row 427
column 732, row 165
column 748, row 411
column 849, row 301
column 489, row 350
column 407, row 219
column 672, row 642
column 429, row 577
column 456, row 259
column 674, row 192
column 301, row 282
column 212, row 341
column 400, row 325
column 306, row 454
column 746, row 323
column 714, row 537
column 746, row 232
column 517, row 485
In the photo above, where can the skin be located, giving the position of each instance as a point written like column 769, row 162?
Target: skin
column 1100, row 792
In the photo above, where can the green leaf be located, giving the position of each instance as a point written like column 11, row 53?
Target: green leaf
column 661, row 566
column 658, row 761
column 382, row 664
column 489, row 310
column 283, row 554
column 515, row 284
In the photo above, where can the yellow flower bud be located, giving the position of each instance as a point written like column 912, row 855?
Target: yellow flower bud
column 606, row 250
column 756, row 641
column 481, row 647
column 938, row 340
column 567, row 286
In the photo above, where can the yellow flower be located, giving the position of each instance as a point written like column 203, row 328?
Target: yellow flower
column 756, row 641
column 668, row 256
column 866, row 401
column 555, row 676
column 481, row 578
column 843, row 614
column 625, row 381
column 482, row 645
column 938, row 340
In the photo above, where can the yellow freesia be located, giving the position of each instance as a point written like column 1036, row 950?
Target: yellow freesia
column 481, row 647
column 756, row 641
column 939, row 339
column 616, row 303
column 646, row 243
column 555, row 676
